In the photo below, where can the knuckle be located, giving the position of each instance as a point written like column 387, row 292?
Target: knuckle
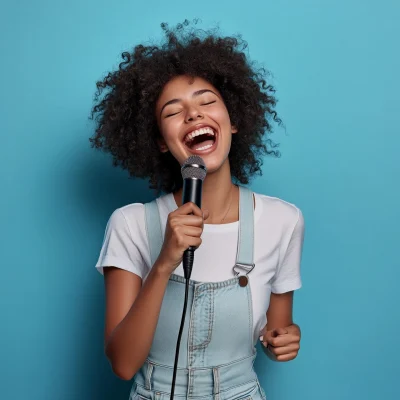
column 172, row 214
column 192, row 205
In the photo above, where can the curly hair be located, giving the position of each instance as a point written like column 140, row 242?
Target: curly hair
column 126, row 122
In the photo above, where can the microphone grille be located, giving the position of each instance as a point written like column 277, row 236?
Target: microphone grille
column 194, row 167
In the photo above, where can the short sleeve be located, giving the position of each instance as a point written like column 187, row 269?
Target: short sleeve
column 287, row 277
column 118, row 249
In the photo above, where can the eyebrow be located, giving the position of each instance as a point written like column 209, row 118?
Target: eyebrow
column 195, row 94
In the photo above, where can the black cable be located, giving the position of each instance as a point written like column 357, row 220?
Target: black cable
column 193, row 173
column 179, row 338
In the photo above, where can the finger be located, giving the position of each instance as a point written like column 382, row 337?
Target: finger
column 193, row 241
column 287, row 357
column 189, row 208
column 278, row 351
column 270, row 335
column 281, row 331
column 193, row 231
column 276, row 332
column 206, row 214
column 188, row 220
column 283, row 340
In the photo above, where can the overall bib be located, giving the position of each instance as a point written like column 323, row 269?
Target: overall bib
column 216, row 353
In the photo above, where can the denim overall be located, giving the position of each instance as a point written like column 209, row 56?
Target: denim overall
column 216, row 353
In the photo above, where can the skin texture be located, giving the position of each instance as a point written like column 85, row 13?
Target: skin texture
column 132, row 307
column 280, row 337
column 198, row 103
column 125, row 101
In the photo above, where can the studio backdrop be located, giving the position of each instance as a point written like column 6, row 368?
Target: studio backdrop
column 335, row 65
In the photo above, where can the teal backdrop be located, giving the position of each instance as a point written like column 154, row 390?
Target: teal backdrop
column 335, row 65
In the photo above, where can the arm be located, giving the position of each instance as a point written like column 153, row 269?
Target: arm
column 131, row 317
column 280, row 337
column 133, row 308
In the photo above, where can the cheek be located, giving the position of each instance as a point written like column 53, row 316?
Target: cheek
column 164, row 129
column 169, row 132
column 221, row 115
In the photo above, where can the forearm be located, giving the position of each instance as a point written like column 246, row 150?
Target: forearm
column 129, row 344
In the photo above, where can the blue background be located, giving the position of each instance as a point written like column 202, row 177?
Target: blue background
column 335, row 65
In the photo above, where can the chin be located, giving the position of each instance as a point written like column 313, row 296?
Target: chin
column 214, row 163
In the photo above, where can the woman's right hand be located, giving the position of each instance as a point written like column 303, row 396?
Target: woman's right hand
column 182, row 231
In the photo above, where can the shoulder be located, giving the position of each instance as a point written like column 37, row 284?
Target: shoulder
column 133, row 215
column 128, row 214
column 278, row 211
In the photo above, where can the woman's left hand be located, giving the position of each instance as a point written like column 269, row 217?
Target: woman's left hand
column 283, row 343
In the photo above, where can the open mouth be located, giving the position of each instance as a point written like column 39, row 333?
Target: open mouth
column 201, row 139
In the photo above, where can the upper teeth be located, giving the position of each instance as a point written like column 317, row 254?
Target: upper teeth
column 199, row 132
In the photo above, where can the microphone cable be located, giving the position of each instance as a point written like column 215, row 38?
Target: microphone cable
column 193, row 173
column 187, row 278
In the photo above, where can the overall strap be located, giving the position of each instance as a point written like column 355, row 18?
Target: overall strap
column 245, row 251
column 153, row 230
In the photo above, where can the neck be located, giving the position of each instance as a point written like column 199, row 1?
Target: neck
column 218, row 194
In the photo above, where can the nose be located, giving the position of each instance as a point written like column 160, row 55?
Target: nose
column 192, row 114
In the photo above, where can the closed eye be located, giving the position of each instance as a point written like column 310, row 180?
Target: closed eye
column 204, row 104
column 170, row 115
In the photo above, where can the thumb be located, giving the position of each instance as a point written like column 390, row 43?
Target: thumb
column 281, row 331
column 275, row 333
column 206, row 214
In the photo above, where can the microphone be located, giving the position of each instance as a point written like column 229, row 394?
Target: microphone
column 193, row 173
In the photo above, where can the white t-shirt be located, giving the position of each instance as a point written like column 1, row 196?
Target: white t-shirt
column 279, row 233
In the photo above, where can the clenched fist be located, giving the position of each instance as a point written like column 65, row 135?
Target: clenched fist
column 282, row 343
column 184, row 228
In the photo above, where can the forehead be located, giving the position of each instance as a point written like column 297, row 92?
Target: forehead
column 183, row 86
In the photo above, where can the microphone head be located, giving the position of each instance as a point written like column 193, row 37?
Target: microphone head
column 194, row 167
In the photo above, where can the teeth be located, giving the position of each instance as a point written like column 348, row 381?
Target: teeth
column 198, row 132
column 205, row 147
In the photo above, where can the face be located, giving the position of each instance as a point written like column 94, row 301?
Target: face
column 193, row 119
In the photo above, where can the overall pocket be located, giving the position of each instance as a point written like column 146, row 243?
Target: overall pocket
column 139, row 392
column 247, row 391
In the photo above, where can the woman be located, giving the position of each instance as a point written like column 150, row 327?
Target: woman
column 196, row 94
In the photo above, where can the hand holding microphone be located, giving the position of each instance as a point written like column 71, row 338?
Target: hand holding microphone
column 182, row 231
column 185, row 225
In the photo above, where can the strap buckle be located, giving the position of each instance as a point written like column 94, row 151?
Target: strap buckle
column 246, row 267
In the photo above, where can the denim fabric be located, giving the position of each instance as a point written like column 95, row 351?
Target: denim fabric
column 216, row 354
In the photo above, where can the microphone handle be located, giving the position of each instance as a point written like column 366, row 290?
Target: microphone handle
column 192, row 190
column 188, row 258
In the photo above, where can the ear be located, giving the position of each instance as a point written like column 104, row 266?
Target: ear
column 234, row 129
column 162, row 145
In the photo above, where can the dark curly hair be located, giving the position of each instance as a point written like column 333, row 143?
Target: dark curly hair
column 126, row 122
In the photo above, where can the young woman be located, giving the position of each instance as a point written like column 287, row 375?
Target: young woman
column 195, row 94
